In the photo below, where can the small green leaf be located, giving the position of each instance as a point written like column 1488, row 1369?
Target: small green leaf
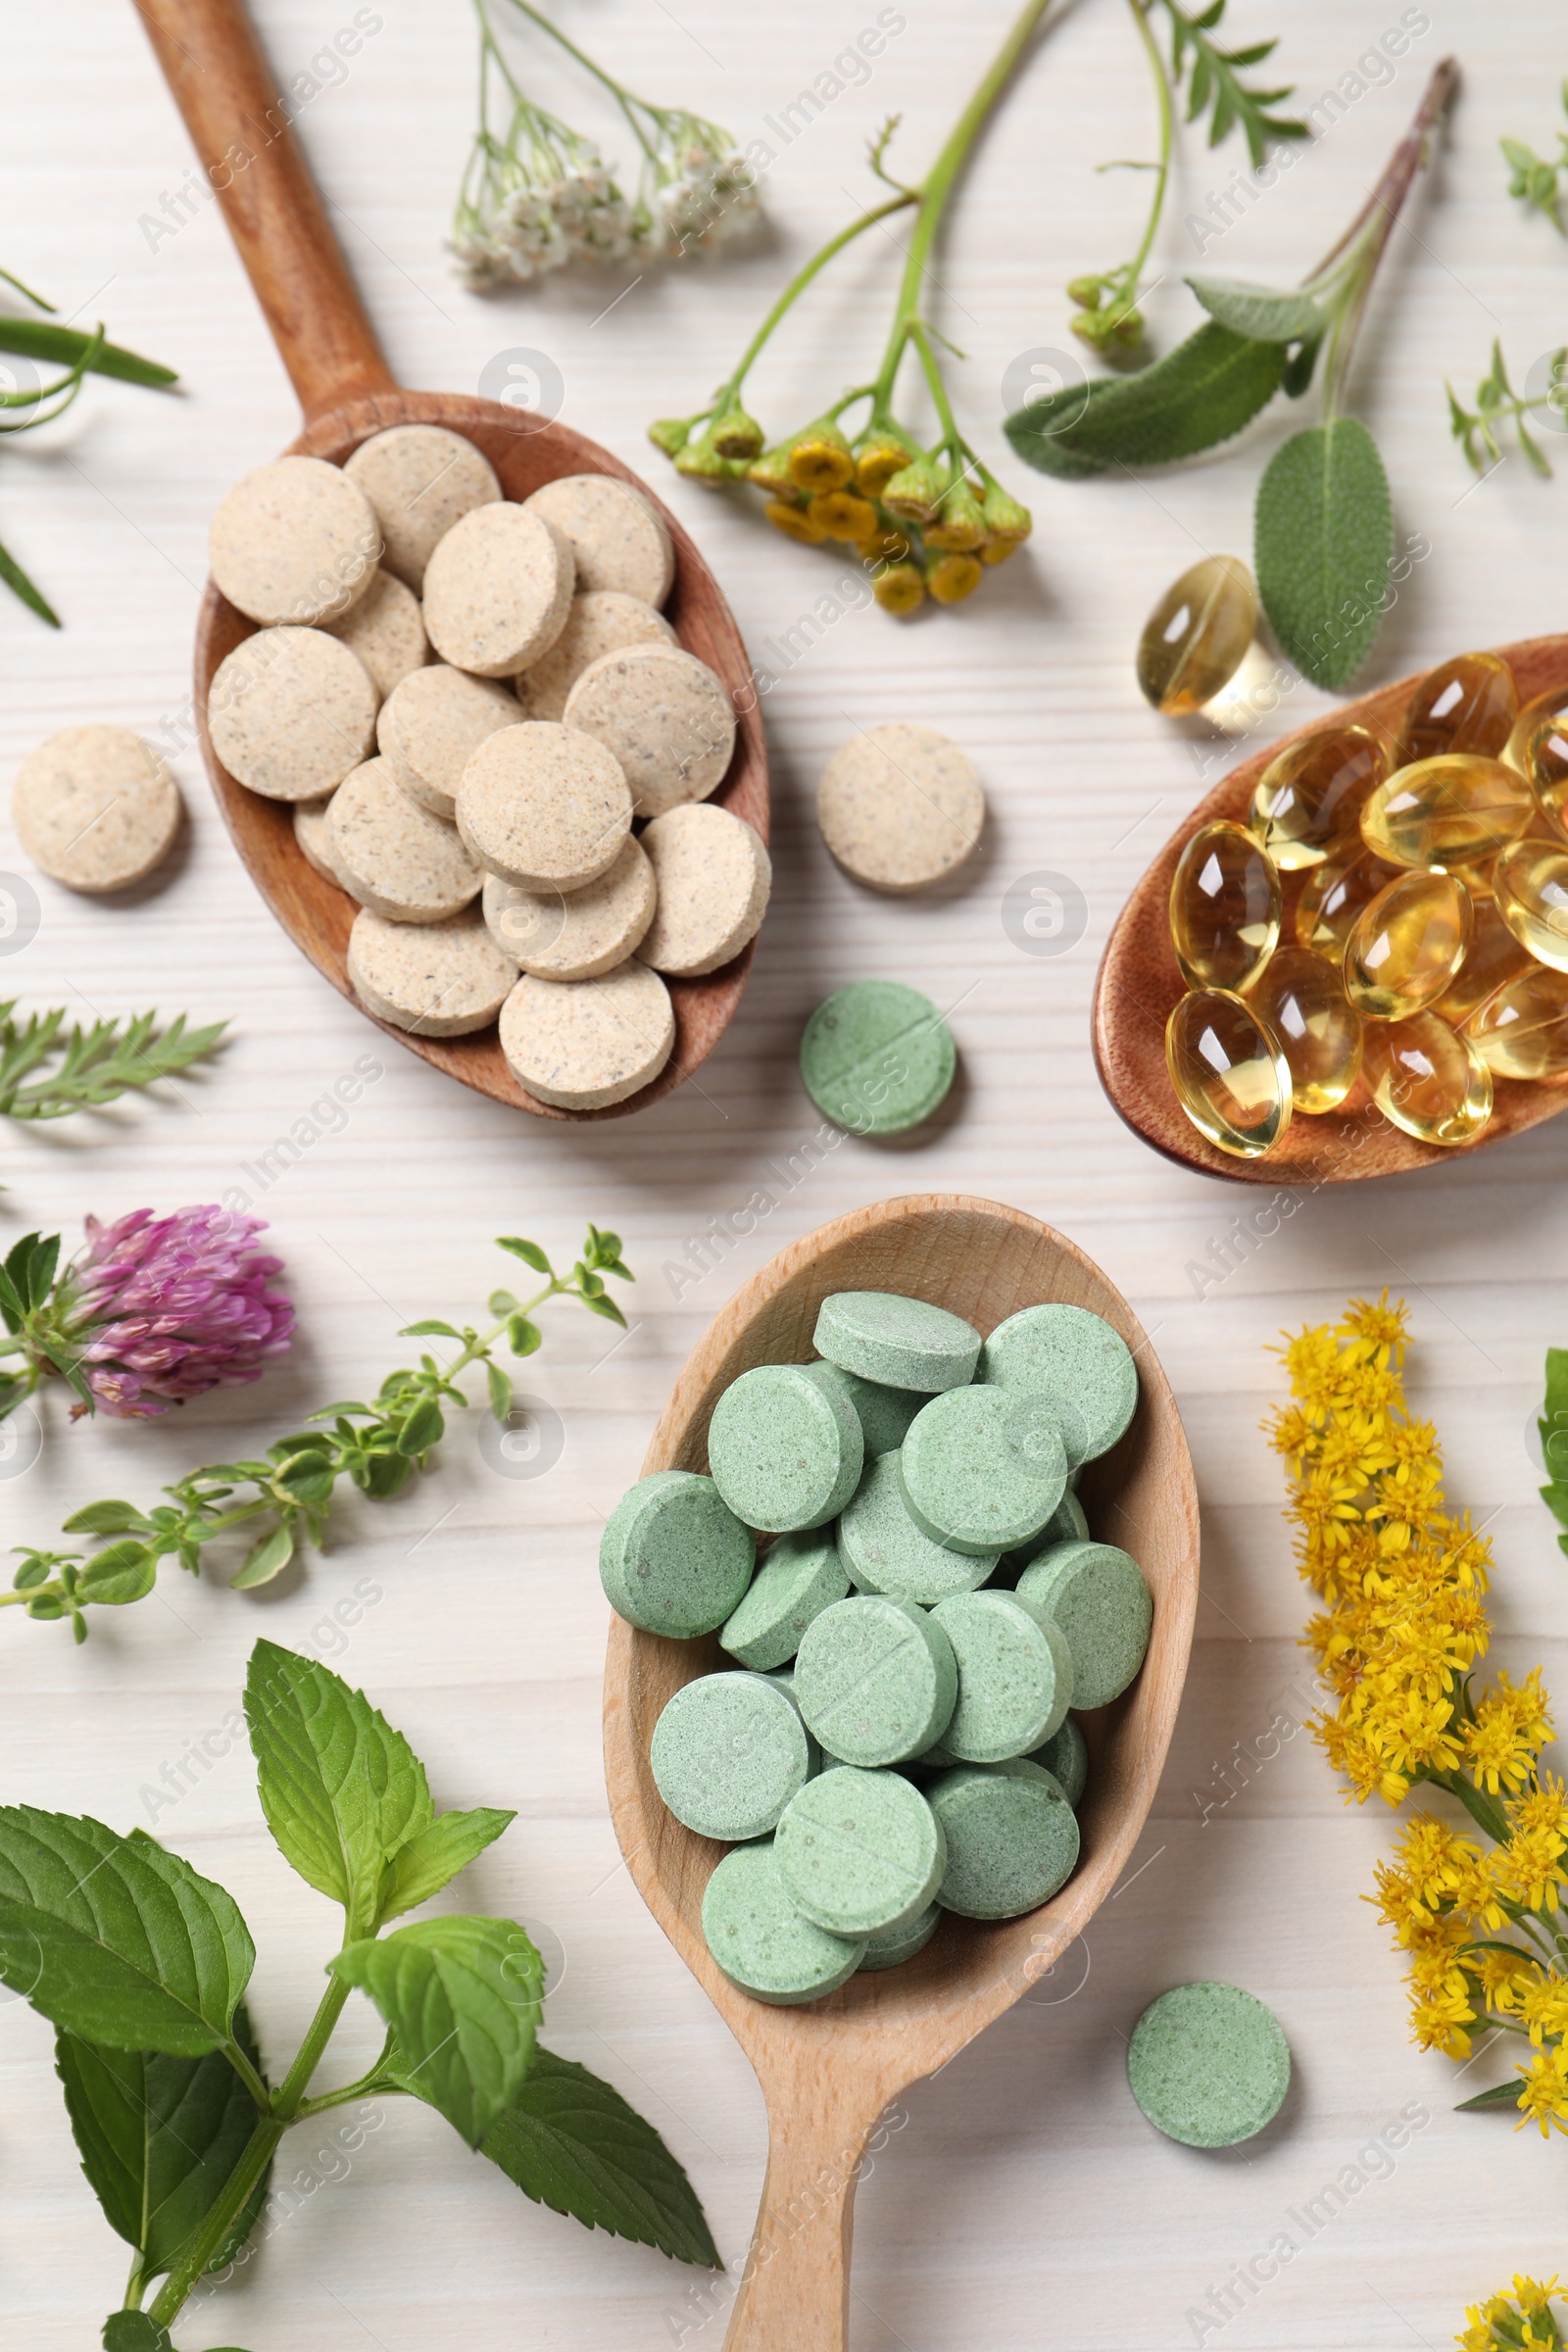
column 1259, row 312
column 107, row 1519
column 1198, row 396
column 1501, row 2094
column 1324, row 547
column 608, row 1308
column 502, row 1302
column 265, row 1560
column 134, row 2331
column 530, row 1252
column 524, row 1336
column 462, row 1997
column 21, row 587
column 422, row 1430
column 417, row 1330
column 32, row 1572
column 118, row 1573
column 433, row 1858
column 500, row 1392
column 1299, row 370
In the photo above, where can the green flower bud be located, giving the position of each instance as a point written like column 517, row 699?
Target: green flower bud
column 960, row 527
column 671, row 434
column 771, row 472
column 1085, row 292
column 736, row 435
column 879, row 454
column 915, row 494
column 703, row 462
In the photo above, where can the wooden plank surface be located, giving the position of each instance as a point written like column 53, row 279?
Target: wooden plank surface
column 1024, row 2204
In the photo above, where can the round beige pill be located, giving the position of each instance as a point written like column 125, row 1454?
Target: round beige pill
column 435, row 979
column 603, row 621
column 312, row 832
column 393, row 856
column 294, row 541
column 713, row 877
column 290, row 712
column 420, row 480
column 545, row 807
column 574, row 935
column 899, row 806
column 384, row 632
column 431, row 725
column 95, row 809
column 583, row 1044
column 617, row 537
column 666, row 717
column 497, row 591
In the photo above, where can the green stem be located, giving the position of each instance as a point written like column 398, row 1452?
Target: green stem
column 135, row 2285
column 373, row 2080
column 952, row 438
column 248, row 2074
column 627, row 103
column 1167, row 137
column 297, row 2081
column 799, row 283
column 1482, row 1810
column 258, row 2154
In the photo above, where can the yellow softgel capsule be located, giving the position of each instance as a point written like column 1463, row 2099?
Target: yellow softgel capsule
column 1539, row 706
column 1311, row 795
column 1544, row 758
column 1427, row 1079
column 1522, row 1031
column 1301, row 1000
column 1466, row 705
column 1225, row 907
column 1333, row 895
column 1458, row 809
column 1493, row 958
column 1406, row 945
column 1196, row 638
column 1230, row 1075
column 1530, row 882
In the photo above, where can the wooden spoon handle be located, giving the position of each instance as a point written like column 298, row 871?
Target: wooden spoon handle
column 795, row 2290
column 239, row 121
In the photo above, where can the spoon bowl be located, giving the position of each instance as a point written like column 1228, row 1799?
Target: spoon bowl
column 1139, row 984
column 828, row 2071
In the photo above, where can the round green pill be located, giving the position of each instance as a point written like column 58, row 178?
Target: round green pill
column 876, row 1680
column 785, row 1451
column 675, row 1559
column 860, row 1852
column 1066, row 1757
column 728, row 1753
column 1012, row 1839
column 885, row 1551
column 877, row 1057
column 1085, row 1367
column 903, row 1343
column 762, row 1942
column 800, row 1575
column 884, row 1414
column 1209, row 2064
column 983, row 1469
column 1097, row 1594
column 895, row 1945
column 1016, row 1676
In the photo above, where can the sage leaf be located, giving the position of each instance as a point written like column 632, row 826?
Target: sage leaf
column 340, row 1789
column 1198, row 396
column 462, row 1997
column 158, row 2139
column 570, row 2142
column 1260, row 312
column 114, row 1940
column 1324, row 547
column 433, row 1859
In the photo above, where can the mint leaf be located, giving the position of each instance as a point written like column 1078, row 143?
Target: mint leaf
column 1324, row 547
column 433, row 1859
column 1199, row 395
column 134, row 2331
column 114, row 1940
column 1259, row 312
column 158, row 2139
column 462, row 1997
column 340, row 1789
column 572, row 2143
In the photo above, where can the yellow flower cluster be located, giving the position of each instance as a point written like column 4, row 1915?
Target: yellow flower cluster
column 1403, row 1626
column 1523, row 2321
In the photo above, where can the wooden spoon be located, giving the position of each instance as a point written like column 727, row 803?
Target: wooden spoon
column 1139, row 983
column 829, row 2072
column 233, row 106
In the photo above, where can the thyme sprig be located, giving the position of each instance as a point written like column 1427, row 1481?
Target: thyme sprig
column 1499, row 405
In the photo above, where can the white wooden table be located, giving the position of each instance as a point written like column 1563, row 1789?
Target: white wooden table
column 1026, row 2203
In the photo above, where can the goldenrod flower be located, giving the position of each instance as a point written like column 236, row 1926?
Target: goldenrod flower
column 1543, row 2091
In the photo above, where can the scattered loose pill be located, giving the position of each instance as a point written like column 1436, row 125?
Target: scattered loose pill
column 294, row 541
column 544, row 805
column 728, row 1754
column 497, row 591
column 1013, row 1838
column 312, row 832
column 582, row 1044
column 602, row 622
column 1209, row 2064
column 1097, row 1594
column 392, row 854
column 899, row 806
column 574, row 935
column 432, row 724
column 384, row 632
column 1016, row 1676
column 983, row 1468
column 885, row 1551
column 666, row 716
column 1066, row 1757
column 762, row 1942
column 420, row 480
column 883, row 1412
column 1076, row 1358
column 618, row 539
column 902, row 1342
column 860, row 1852
column 713, row 877
column 877, row 1057
column 96, row 808
column 290, row 712
column 784, row 1451
column 673, row 1558
column 801, row 1577
column 876, row 1680
column 442, row 979
column 895, row 1945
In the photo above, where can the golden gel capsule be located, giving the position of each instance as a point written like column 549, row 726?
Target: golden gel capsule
column 1454, row 811
column 1493, row 958
column 1406, row 945
column 1522, row 1032
column 1544, row 758
column 1307, row 798
column 1550, row 705
column 1225, row 907
column 1427, row 1080
column 1466, row 705
column 1530, row 881
column 1194, row 640
column 1228, row 1071
column 1333, row 895
column 1301, row 998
